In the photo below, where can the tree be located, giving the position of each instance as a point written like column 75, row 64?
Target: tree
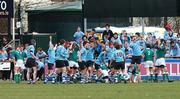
column 3, row 25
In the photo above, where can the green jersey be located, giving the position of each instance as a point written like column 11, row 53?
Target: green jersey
column 161, row 52
column 18, row 55
column 148, row 54
column 74, row 55
column 103, row 67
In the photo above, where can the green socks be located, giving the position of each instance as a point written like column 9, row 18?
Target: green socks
column 17, row 78
column 167, row 75
column 164, row 76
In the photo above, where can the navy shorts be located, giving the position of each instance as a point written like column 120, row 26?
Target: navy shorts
column 60, row 64
column 82, row 65
column 136, row 60
column 89, row 63
column 119, row 65
column 31, row 62
column 50, row 66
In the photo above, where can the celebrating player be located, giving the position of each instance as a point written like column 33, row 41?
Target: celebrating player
column 148, row 55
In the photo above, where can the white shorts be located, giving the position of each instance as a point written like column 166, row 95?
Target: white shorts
column 105, row 73
column 73, row 64
column 20, row 63
column 148, row 64
column 160, row 61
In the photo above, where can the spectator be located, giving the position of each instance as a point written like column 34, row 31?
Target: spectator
column 78, row 35
column 3, row 54
column 98, row 48
column 116, row 39
column 93, row 34
column 174, row 49
column 106, row 40
column 10, row 73
column 124, row 37
column 142, row 43
column 178, row 42
column 178, row 36
column 4, row 41
column 3, row 57
column 150, row 39
column 108, row 33
column 168, row 35
column 128, row 50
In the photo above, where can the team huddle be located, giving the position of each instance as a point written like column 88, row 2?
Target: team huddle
column 89, row 59
column 82, row 62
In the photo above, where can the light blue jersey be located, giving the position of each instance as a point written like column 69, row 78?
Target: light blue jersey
column 119, row 56
column 41, row 56
column 142, row 43
column 110, row 53
column 101, row 58
column 78, row 36
column 175, row 51
column 51, row 55
column 3, row 56
column 90, row 54
column 130, row 51
column 83, row 52
column 136, row 48
column 167, row 36
column 59, row 52
column 62, row 53
column 118, row 41
column 30, row 51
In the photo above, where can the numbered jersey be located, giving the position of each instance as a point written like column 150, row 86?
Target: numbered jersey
column 148, row 54
column 119, row 56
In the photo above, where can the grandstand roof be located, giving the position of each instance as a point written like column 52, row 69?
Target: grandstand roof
column 65, row 6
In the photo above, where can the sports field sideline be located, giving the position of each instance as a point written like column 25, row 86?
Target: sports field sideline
column 90, row 91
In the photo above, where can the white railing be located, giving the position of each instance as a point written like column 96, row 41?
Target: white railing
column 12, row 43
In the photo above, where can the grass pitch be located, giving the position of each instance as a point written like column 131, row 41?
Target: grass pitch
column 90, row 91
